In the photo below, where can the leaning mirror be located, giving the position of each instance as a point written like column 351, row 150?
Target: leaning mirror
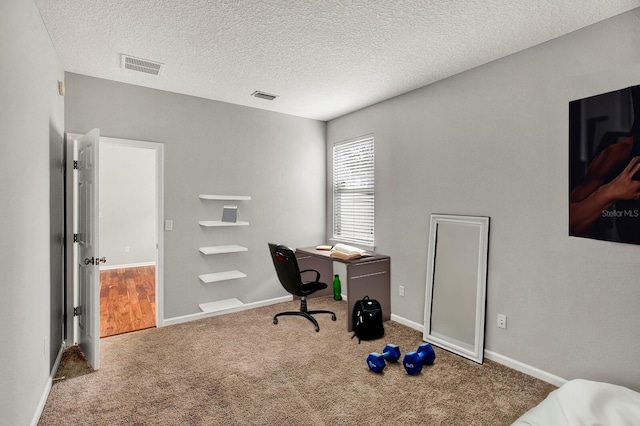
column 456, row 284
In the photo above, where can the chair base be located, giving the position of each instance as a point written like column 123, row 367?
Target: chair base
column 303, row 312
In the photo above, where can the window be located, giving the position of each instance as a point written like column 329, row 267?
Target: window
column 353, row 191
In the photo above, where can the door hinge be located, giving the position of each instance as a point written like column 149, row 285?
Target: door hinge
column 75, row 238
column 75, row 164
column 77, row 311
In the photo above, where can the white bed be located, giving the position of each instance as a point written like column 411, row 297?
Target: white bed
column 583, row 402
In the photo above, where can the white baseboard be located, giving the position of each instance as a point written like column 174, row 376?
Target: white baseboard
column 407, row 322
column 500, row 359
column 127, row 265
column 47, row 388
column 244, row 307
column 525, row 368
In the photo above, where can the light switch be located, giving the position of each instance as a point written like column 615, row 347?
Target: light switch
column 168, row 225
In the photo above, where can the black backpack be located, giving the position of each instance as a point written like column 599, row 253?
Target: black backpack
column 367, row 319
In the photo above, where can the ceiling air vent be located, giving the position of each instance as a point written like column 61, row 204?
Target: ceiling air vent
column 141, row 65
column 262, row 95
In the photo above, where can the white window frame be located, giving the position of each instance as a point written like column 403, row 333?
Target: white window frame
column 353, row 165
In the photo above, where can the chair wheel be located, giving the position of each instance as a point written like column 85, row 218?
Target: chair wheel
column 333, row 317
column 275, row 320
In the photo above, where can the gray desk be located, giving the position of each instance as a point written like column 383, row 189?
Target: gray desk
column 368, row 276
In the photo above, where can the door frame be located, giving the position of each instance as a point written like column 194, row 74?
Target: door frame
column 70, row 278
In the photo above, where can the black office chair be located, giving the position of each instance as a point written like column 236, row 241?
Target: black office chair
column 289, row 274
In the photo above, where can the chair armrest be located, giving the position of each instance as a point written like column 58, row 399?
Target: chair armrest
column 312, row 270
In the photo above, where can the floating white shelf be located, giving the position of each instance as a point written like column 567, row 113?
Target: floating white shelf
column 225, row 197
column 222, row 249
column 220, row 305
column 209, row 223
column 221, row 276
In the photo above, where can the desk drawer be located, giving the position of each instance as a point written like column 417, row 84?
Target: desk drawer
column 371, row 279
column 366, row 269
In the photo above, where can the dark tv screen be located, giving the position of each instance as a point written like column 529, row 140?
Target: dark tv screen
column 604, row 166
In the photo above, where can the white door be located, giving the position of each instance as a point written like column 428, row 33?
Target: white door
column 88, row 254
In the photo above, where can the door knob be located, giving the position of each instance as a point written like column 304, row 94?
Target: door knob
column 101, row 260
column 89, row 261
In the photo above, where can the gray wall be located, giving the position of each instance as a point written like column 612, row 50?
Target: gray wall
column 493, row 141
column 31, row 200
column 216, row 148
column 127, row 204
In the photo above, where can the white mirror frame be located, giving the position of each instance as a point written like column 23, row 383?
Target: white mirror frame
column 482, row 223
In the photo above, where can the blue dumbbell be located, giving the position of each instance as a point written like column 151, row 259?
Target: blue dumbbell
column 413, row 361
column 376, row 361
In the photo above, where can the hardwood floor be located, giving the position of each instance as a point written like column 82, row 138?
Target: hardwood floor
column 127, row 300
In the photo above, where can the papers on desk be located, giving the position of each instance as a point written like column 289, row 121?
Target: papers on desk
column 345, row 252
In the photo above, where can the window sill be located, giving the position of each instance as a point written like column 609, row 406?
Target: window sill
column 351, row 243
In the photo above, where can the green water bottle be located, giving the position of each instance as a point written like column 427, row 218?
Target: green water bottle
column 336, row 288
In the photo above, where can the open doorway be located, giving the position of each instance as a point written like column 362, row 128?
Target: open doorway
column 84, row 254
column 129, row 222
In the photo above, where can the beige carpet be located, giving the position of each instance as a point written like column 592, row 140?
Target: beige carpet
column 73, row 363
column 241, row 369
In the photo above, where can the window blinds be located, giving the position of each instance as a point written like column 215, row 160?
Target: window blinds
column 353, row 191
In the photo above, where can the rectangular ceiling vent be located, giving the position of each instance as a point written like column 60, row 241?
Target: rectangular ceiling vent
column 141, row 65
column 262, row 95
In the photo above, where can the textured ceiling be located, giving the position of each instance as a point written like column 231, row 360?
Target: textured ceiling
column 323, row 58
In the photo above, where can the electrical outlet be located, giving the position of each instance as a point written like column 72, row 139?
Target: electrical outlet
column 168, row 225
column 126, row 249
column 502, row 321
column 401, row 290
